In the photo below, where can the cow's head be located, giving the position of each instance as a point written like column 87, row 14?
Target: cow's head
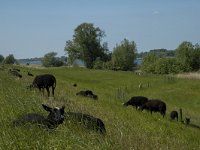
column 56, row 115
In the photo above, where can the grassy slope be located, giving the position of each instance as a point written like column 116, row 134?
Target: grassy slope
column 126, row 127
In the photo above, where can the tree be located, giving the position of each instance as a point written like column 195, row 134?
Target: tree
column 10, row 59
column 187, row 59
column 50, row 60
column 185, row 55
column 196, row 58
column 123, row 55
column 72, row 50
column 86, row 45
column 1, row 58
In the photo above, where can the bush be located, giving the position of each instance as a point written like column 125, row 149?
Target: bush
column 154, row 64
column 98, row 64
column 1, row 58
column 107, row 65
column 10, row 59
column 58, row 63
column 149, row 63
column 167, row 66
column 49, row 60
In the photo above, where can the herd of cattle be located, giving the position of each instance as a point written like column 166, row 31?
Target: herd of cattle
column 57, row 115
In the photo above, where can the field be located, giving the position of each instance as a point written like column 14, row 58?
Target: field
column 126, row 128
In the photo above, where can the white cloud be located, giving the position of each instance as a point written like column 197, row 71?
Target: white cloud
column 156, row 12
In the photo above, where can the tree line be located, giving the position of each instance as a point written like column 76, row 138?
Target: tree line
column 186, row 59
column 159, row 52
column 10, row 59
column 87, row 45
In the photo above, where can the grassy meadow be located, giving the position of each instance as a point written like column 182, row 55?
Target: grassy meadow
column 126, row 128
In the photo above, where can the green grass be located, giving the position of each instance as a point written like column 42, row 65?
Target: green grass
column 126, row 127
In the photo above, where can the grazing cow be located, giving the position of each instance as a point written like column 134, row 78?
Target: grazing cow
column 55, row 117
column 18, row 70
column 87, row 121
column 44, row 81
column 136, row 101
column 174, row 115
column 156, row 106
column 87, row 93
column 30, row 74
column 15, row 73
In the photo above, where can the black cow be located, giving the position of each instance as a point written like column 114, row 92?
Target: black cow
column 155, row 106
column 18, row 70
column 29, row 74
column 174, row 115
column 87, row 93
column 87, row 121
column 44, row 81
column 136, row 101
column 15, row 73
column 55, row 117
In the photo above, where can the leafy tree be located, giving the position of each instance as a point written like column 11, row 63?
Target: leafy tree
column 50, row 60
column 196, row 58
column 72, row 50
column 185, row 55
column 86, row 45
column 1, row 58
column 187, row 59
column 10, row 59
column 123, row 55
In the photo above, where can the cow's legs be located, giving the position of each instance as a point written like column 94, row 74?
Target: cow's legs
column 48, row 92
column 41, row 89
column 53, row 88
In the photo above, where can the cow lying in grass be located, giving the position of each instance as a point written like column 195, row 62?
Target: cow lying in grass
column 55, row 117
column 155, row 106
column 87, row 93
column 136, row 101
column 14, row 73
column 44, row 81
column 87, row 121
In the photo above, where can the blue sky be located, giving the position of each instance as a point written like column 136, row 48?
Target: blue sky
column 32, row 28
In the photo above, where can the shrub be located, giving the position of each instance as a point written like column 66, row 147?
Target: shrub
column 10, row 59
column 1, row 58
column 167, row 66
column 98, row 64
column 49, row 60
column 149, row 63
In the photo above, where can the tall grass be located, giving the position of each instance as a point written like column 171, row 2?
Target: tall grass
column 126, row 127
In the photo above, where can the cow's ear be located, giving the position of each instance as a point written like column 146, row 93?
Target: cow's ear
column 47, row 108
